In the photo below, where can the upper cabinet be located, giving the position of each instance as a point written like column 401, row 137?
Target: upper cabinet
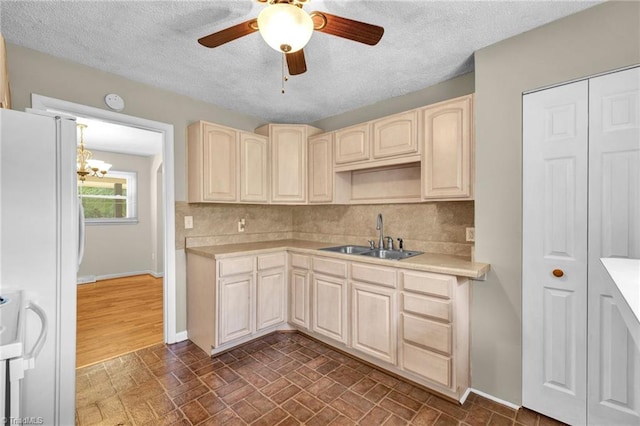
column 212, row 156
column 395, row 135
column 321, row 168
column 226, row 165
column 425, row 154
column 288, row 161
column 254, row 168
column 448, row 143
column 352, row 144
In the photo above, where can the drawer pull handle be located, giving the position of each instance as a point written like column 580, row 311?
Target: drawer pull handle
column 558, row 273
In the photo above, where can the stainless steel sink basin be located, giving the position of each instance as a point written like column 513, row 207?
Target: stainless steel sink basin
column 348, row 249
column 391, row 254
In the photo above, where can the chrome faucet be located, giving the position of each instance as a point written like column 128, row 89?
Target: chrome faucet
column 379, row 228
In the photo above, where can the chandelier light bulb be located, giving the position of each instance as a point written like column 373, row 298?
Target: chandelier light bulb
column 285, row 27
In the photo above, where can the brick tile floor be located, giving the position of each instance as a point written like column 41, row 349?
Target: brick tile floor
column 280, row 379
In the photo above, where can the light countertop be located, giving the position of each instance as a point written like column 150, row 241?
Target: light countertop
column 625, row 274
column 427, row 262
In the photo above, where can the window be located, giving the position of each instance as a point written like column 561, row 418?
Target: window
column 109, row 199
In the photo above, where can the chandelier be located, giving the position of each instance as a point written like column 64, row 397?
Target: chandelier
column 85, row 164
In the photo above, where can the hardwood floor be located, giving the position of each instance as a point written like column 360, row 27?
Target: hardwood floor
column 118, row 316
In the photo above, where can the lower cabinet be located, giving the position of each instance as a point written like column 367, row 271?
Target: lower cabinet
column 412, row 323
column 232, row 300
column 330, row 307
column 373, row 320
column 299, row 290
column 235, row 307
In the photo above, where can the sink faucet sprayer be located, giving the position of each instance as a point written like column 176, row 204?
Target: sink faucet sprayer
column 379, row 228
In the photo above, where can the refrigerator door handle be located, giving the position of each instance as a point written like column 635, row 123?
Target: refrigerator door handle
column 30, row 357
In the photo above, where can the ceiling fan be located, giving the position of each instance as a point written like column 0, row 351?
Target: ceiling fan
column 287, row 28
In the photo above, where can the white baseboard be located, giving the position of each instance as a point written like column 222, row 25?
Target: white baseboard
column 181, row 336
column 492, row 398
column 93, row 278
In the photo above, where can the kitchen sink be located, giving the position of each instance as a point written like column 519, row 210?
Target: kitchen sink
column 391, row 254
column 379, row 253
column 348, row 249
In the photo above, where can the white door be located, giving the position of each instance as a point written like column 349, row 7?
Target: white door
column 614, row 231
column 235, row 313
column 555, row 240
column 329, row 307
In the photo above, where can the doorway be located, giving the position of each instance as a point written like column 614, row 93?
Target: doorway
column 164, row 173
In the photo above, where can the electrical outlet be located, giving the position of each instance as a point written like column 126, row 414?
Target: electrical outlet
column 241, row 225
column 471, row 234
column 188, row 222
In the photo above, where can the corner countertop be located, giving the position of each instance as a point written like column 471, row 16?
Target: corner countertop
column 625, row 274
column 427, row 262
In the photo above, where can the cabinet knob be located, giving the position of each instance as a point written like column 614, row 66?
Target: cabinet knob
column 558, row 273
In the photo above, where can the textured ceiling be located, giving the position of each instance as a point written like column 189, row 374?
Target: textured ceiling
column 155, row 42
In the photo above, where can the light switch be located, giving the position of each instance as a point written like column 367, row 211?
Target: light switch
column 188, row 222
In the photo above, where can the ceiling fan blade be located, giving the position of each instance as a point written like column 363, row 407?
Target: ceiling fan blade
column 229, row 34
column 347, row 28
column 296, row 63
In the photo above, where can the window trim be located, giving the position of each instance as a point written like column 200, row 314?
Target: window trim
column 131, row 200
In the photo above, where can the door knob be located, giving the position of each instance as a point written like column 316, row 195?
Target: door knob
column 557, row 273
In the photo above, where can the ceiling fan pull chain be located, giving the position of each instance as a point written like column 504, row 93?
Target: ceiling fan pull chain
column 284, row 76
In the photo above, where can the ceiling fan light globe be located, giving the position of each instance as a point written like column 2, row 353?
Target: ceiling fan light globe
column 283, row 24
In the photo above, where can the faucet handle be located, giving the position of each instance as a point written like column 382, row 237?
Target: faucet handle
column 400, row 244
column 372, row 244
column 389, row 243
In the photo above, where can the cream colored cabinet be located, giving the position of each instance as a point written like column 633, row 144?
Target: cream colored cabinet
column 270, row 290
column 288, row 161
column 226, row 165
column 321, row 168
column 374, row 311
column 395, row 135
column 254, row 168
column 434, row 330
column 329, row 298
column 235, row 307
column 212, row 162
column 299, row 290
column 447, row 164
column 352, row 144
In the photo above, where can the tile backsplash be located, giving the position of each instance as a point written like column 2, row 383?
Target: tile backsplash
column 437, row 227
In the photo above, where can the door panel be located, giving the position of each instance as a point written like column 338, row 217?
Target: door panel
column 555, row 238
column 614, row 231
column 235, row 308
column 329, row 307
column 270, row 294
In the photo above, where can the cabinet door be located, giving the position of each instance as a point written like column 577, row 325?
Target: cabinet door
column 220, row 163
column 447, row 162
column 352, row 144
column 254, row 168
column 396, row 135
column 288, row 163
column 329, row 307
column 321, row 168
column 373, row 321
column 299, row 298
column 234, row 307
column 270, row 296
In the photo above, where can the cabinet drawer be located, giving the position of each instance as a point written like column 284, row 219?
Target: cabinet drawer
column 431, row 334
column 373, row 274
column 300, row 261
column 235, row 265
column 271, row 260
column 330, row 267
column 427, row 283
column 425, row 305
column 427, row 364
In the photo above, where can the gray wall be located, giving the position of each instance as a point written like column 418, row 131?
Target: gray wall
column 122, row 249
column 599, row 39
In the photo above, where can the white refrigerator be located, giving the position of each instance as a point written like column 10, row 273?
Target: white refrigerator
column 38, row 256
